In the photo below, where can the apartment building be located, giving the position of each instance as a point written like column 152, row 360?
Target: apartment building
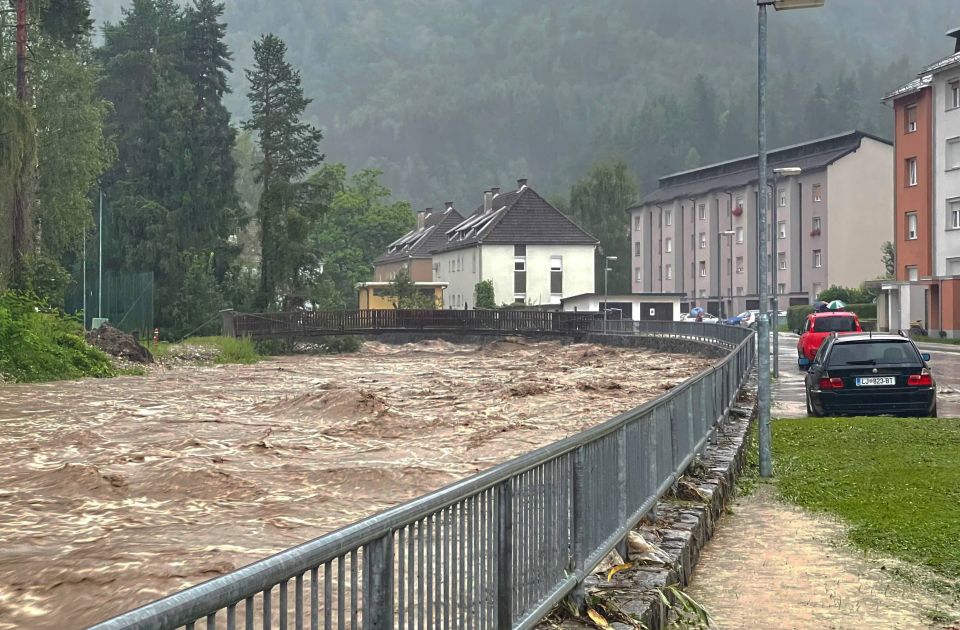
column 926, row 287
column 414, row 250
column 531, row 252
column 697, row 235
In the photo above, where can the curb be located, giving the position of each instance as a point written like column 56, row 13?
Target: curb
column 683, row 525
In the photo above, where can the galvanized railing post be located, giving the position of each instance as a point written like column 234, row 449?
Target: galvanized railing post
column 578, row 527
column 622, row 486
column 504, row 601
column 378, row 584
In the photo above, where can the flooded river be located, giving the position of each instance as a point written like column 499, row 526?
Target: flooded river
column 116, row 492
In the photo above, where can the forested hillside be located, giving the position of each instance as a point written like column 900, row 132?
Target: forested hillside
column 450, row 96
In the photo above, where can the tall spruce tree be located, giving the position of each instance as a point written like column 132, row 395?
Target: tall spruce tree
column 290, row 149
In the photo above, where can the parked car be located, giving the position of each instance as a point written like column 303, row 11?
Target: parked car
column 870, row 374
column 819, row 326
column 707, row 318
column 746, row 318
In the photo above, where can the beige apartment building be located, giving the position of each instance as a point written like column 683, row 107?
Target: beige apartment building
column 696, row 234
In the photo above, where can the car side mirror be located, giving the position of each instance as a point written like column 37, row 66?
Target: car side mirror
column 804, row 363
column 796, row 331
column 925, row 356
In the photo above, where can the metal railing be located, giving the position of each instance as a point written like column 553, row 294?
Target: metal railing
column 496, row 550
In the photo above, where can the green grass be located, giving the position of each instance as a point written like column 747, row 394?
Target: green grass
column 231, row 350
column 949, row 342
column 895, row 481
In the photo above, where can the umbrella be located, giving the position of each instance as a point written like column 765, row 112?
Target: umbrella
column 836, row 305
column 820, row 306
column 696, row 310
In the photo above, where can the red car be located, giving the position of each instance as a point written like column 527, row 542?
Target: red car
column 818, row 327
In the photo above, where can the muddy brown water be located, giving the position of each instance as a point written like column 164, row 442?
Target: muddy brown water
column 116, row 492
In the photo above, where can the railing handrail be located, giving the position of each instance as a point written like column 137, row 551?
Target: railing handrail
column 213, row 595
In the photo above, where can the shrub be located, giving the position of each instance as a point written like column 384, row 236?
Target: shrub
column 847, row 295
column 863, row 311
column 483, row 295
column 797, row 315
column 42, row 343
column 341, row 345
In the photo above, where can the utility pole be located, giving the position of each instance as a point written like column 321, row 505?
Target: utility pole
column 763, row 321
column 100, row 281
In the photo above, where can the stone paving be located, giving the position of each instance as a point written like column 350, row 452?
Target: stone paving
column 772, row 565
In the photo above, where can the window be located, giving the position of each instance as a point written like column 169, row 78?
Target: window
column 703, row 240
column 739, row 290
column 953, row 214
column 556, row 275
column 911, row 226
column 638, row 271
column 637, row 248
column 781, row 288
column 701, row 212
column 637, row 222
column 953, row 266
column 519, row 273
column 781, row 260
column 703, row 269
column 668, row 217
column 952, row 154
column 817, row 259
column 816, row 225
column 782, row 229
column 816, row 193
column 911, row 121
column 817, row 289
column 782, row 199
column 669, row 245
column 739, row 234
column 703, row 293
column 739, row 264
column 692, row 242
column 669, row 272
column 739, row 203
column 911, row 171
column 953, row 94
column 913, row 274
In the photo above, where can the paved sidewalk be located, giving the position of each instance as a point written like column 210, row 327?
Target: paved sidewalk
column 772, row 565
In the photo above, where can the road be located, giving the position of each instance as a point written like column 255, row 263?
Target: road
column 788, row 392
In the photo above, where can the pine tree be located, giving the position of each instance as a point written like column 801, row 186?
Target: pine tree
column 289, row 148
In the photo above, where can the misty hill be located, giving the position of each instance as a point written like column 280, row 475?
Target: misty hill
column 450, row 96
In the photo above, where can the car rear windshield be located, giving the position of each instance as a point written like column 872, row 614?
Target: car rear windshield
column 874, row 353
column 834, row 324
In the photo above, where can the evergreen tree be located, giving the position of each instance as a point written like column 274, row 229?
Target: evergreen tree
column 817, row 114
column 289, row 148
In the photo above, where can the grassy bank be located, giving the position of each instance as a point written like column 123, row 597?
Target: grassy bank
column 212, row 349
column 895, row 481
column 946, row 341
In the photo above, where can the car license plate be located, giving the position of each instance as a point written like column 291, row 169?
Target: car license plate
column 876, row 380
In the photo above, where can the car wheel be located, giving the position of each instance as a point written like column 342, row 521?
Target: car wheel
column 933, row 412
column 810, row 410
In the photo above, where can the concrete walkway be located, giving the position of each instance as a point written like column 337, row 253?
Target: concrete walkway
column 772, row 565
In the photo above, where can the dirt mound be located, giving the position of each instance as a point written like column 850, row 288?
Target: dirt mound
column 117, row 343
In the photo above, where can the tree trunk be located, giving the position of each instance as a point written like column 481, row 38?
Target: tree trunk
column 25, row 172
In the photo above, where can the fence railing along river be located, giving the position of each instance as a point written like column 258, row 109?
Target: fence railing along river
column 496, row 550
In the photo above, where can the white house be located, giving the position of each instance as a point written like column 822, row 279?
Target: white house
column 531, row 252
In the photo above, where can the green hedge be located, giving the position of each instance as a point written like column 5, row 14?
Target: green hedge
column 797, row 315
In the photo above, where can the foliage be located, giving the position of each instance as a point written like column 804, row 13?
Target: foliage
column 797, row 315
column 863, row 311
column 343, row 344
column 199, row 300
column 859, row 468
column 290, row 148
column 406, row 295
column 888, row 256
column 44, row 277
column 41, row 343
column 598, row 204
column 228, row 349
column 483, row 296
column 847, row 295
column 357, row 223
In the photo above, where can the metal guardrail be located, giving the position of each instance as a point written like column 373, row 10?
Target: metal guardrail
column 496, row 550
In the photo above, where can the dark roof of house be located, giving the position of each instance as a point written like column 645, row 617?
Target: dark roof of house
column 420, row 242
column 809, row 156
column 517, row 217
column 925, row 76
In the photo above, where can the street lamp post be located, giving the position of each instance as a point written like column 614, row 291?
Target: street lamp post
column 606, row 268
column 778, row 173
column 763, row 321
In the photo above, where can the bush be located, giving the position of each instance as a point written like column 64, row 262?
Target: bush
column 847, row 295
column 863, row 311
column 341, row 345
column 797, row 315
column 483, row 295
column 41, row 343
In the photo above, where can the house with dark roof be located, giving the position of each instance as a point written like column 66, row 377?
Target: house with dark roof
column 531, row 252
column 697, row 235
column 413, row 250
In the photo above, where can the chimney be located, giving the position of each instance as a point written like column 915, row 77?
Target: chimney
column 422, row 218
column 495, row 191
column 488, row 201
column 521, row 184
column 448, row 205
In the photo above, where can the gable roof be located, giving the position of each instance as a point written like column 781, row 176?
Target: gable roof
column 420, row 242
column 517, row 217
column 740, row 172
